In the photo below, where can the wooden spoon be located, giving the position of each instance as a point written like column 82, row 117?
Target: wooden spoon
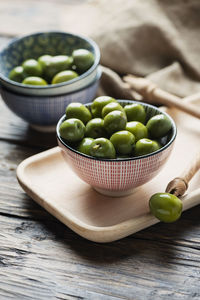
column 179, row 185
column 165, row 206
column 153, row 94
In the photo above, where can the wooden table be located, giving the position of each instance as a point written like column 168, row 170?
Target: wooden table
column 40, row 258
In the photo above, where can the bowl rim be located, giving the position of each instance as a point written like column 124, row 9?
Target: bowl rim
column 43, row 97
column 174, row 128
column 58, row 85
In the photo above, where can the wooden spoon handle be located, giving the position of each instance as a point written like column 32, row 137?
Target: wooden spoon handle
column 191, row 169
column 179, row 185
column 153, row 94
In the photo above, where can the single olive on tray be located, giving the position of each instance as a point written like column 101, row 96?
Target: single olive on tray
column 166, row 207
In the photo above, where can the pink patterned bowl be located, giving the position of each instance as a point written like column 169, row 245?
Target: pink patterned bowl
column 118, row 177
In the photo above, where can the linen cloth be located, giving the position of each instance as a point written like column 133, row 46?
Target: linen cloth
column 159, row 39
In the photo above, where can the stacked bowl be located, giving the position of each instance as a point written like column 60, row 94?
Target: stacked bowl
column 42, row 106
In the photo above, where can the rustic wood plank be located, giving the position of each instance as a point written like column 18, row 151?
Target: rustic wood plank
column 32, row 15
column 15, row 130
column 40, row 257
column 13, row 200
column 127, row 269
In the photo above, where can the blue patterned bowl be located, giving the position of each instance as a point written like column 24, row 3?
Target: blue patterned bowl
column 43, row 112
column 52, row 43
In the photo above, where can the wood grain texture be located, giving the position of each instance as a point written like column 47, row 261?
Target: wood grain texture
column 179, row 185
column 45, row 259
column 49, row 180
column 21, row 17
column 15, row 130
column 42, row 259
column 192, row 168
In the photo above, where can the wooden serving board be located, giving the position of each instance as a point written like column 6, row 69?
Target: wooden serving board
column 48, row 179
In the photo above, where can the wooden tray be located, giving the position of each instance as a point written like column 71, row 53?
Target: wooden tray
column 47, row 179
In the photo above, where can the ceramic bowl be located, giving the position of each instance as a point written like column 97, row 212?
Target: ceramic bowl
column 52, row 43
column 43, row 112
column 118, row 177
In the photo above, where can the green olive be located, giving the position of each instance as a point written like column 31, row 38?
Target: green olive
column 32, row 67
column 158, row 126
column 166, row 207
column 98, row 104
column 44, row 61
column 84, row 145
column 83, row 59
column 34, row 80
column 111, row 107
column 79, row 111
column 138, row 129
column 102, row 148
column 135, row 112
column 115, row 121
column 64, row 76
column 123, row 141
column 72, row 130
column 57, row 64
column 146, row 146
column 95, row 128
column 17, row 74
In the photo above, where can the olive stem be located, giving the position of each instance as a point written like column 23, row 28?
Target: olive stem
column 96, row 147
column 179, row 185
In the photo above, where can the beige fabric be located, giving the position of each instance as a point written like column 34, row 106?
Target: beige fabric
column 155, row 38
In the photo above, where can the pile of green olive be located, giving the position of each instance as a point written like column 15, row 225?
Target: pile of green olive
column 109, row 130
column 49, row 69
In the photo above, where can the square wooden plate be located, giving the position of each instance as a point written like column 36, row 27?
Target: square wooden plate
column 48, row 180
